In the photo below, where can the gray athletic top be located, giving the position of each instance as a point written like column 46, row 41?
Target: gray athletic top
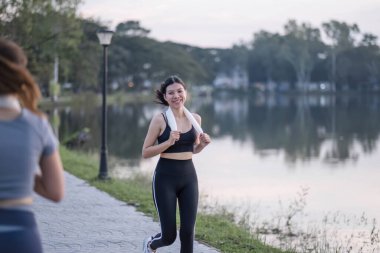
column 23, row 141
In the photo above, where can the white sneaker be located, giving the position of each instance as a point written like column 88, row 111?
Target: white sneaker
column 146, row 247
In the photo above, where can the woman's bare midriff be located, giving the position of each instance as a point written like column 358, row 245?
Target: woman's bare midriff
column 177, row 156
column 16, row 202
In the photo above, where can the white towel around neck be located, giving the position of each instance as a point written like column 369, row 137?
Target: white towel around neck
column 173, row 125
column 9, row 102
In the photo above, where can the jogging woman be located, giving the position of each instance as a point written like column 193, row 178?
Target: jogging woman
column 175, row 178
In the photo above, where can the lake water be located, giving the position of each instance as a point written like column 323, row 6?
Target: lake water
column 302, row 165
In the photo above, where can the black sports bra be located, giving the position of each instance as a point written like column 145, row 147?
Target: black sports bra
column 185, row 142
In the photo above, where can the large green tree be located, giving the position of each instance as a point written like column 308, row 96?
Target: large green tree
column 341, row 36
column 266, row 49
column 301, row 46
column 46, row 29
column 131, row 28
column 372, row 65
column 85, row 71
column 359, row 67
column 266, row 62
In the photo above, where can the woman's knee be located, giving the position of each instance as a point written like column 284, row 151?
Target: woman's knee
column 169, row 238
column 186, row 232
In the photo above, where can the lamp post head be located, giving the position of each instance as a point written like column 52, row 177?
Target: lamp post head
column 104, row 37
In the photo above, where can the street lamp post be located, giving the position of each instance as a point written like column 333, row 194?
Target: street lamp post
column 104, row 37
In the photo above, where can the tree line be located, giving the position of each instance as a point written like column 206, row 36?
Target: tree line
column 349, row 60
column 51, row 32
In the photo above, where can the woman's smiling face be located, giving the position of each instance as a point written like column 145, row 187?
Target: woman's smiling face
column 175, row 95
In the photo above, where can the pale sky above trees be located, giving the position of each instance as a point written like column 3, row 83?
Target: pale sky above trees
column 221, row 23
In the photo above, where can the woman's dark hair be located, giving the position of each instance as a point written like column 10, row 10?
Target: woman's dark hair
column 160, row 92
column 15, row 78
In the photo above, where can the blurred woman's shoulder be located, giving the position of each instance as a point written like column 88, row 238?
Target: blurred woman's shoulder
column 39, row 122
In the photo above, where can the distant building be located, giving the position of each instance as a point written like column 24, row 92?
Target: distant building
column 238, row 79
column 319, row 86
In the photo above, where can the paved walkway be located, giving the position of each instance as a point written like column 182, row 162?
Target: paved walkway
column 89, row 220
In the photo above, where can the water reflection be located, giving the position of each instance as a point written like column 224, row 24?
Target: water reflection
column 300, row 125
column 328, row 128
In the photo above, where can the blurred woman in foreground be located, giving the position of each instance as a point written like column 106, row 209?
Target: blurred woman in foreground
column 29, row 157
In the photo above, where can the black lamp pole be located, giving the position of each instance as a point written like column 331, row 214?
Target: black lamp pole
column 105, row 40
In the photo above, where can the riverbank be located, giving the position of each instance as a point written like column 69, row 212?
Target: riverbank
column 96, row 98
column 217, row 230
column 148, row 96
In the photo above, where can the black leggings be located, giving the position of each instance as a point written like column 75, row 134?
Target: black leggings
column 172, row 180
column 18, row 232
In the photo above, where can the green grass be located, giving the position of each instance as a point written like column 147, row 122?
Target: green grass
column 217, row 230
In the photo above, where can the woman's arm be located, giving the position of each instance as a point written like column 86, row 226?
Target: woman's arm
column 203, row 139
column 150, row 148
column 50, row 182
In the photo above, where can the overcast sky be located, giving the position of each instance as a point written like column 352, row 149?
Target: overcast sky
column 221, row 23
